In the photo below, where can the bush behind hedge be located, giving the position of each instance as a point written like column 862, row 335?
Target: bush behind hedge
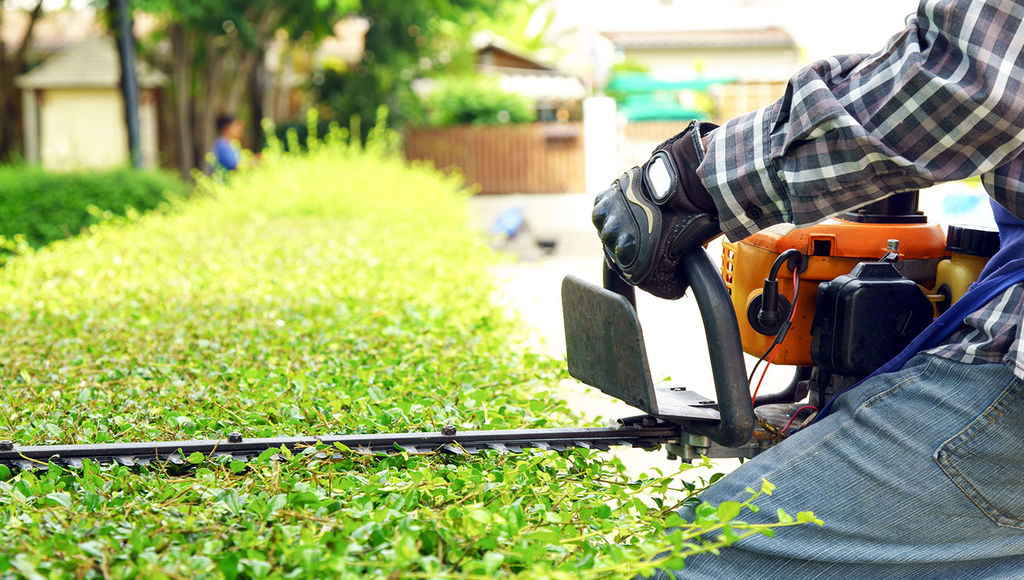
column 43, row 207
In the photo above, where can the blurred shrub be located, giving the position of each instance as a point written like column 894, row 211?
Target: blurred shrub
column 477, row 100
column 43, row 207
column 301, row 130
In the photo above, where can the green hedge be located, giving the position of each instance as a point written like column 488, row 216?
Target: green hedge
column 44, row 206
column 336, row 291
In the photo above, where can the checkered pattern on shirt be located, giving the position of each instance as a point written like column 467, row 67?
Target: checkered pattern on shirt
column 942, row 101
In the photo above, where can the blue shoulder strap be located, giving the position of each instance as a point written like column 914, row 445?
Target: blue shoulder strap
column 1005, row 269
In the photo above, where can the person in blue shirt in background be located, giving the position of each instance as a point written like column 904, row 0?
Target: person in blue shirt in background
column 226, row 153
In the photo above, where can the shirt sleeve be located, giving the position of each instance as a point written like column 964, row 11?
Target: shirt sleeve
column 942, row 101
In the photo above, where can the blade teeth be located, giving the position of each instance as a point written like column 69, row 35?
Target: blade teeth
column 383, row 443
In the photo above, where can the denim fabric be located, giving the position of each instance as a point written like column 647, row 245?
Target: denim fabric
column 917, row 474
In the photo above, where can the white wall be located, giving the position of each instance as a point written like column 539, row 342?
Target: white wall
column 744, row 64
column 85, row 128
column 82, row 128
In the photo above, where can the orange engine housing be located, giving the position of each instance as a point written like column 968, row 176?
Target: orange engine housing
column 833, row 248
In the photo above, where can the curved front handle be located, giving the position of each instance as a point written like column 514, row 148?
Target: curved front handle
column 721, row 330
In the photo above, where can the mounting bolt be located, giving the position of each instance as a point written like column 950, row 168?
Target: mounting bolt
column 234, row 437
column 448, row 430
column 6, row 445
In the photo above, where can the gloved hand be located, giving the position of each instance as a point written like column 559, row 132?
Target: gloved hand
column 652, row 215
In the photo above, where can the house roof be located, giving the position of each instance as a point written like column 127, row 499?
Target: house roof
column 491, row 53
column 92, row 63
column 769, row 37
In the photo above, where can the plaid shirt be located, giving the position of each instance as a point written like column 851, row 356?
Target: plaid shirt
column 942, row 101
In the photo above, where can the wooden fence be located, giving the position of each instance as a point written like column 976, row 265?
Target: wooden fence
column 528, row 158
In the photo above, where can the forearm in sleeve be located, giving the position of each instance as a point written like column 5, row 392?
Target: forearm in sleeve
column 943, row 101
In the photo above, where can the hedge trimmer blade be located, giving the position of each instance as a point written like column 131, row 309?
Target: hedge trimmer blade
column 644, row 432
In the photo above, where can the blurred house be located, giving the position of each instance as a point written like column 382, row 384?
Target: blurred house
column 555, row 94
column 516, row 157
column 740, row 69
column 74, row 112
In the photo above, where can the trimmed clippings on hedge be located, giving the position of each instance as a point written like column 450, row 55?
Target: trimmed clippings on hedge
column 330, row 292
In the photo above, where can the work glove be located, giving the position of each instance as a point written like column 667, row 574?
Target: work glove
column 652, row 215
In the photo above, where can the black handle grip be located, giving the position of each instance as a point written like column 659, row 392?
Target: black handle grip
column 615, row 283
column 724, row 347
column 725, row 350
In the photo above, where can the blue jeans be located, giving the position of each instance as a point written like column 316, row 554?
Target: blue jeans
column 917, row 474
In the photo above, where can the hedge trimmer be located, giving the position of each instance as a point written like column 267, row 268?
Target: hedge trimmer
column 860, row 289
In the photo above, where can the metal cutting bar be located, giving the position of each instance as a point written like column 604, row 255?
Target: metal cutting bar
column 645, row 434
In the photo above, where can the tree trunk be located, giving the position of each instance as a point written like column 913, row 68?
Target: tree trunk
column 257, row 97
column 208, row 107
column 10, row 97
column 181, row 73
column 121, row 15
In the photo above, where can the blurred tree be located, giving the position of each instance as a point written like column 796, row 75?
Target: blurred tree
column 218, row 47
column 405, row 40
column 523, row 25
column 12, row 64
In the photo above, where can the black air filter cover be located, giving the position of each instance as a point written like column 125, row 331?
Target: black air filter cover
column 864, row 318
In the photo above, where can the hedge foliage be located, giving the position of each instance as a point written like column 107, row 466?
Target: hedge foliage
column 41, row 207
column 336, row 291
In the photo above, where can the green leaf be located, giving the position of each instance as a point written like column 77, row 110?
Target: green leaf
column 61, row 498
column 728, row 510
column 808, row 517
column 492, row 561
column 228, row 566
column 784, row 518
